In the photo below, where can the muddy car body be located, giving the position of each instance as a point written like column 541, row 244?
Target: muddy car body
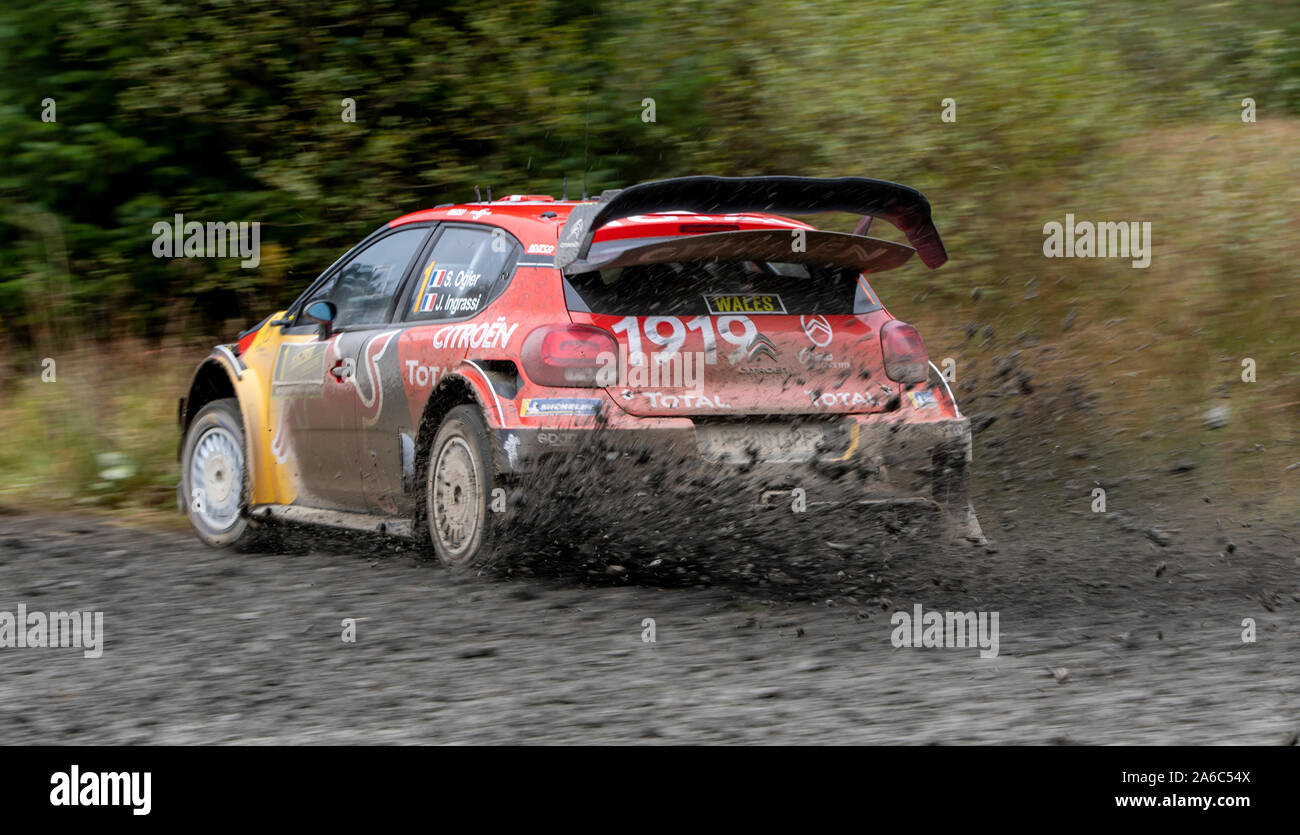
column 459, row 354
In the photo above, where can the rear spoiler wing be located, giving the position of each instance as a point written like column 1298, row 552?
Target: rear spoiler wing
column 905, row 208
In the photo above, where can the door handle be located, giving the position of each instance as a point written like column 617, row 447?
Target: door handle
column 342, row 369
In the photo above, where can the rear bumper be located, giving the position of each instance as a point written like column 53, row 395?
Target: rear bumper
column 675, row 479
column 855, row 458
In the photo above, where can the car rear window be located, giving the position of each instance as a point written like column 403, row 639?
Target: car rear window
column 701, row 288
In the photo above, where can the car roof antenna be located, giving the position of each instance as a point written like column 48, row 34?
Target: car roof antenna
column 478, row 197
column 489, row 194
column 564, row 195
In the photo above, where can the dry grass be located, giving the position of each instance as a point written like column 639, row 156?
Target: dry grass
column 1157, row 347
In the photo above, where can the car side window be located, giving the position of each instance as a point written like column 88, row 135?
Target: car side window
column 462, row 273
column 363, row 289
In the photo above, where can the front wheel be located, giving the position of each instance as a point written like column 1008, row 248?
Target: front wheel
column 214, row 476
column 459, row 485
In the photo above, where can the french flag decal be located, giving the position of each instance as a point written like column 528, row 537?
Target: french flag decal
column 425, row 300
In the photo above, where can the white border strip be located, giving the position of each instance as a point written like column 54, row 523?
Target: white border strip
column 944, row 380
column 501, row 418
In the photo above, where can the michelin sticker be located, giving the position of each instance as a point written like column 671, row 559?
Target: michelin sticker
column 542, row 406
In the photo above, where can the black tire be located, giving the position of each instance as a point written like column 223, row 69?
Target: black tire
column 460, row 477
column 216, row 488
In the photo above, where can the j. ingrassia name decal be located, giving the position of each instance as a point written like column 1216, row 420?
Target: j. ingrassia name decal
column 434, row 295
column 192, row 239
column 80, row 630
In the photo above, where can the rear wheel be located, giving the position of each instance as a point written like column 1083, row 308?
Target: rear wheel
column 459, row 484
column 214, row 477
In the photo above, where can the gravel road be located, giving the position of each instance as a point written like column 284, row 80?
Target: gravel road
column 1111, row 631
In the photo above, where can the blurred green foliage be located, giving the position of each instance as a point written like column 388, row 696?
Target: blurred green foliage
column 226, row 111
column 232, row 111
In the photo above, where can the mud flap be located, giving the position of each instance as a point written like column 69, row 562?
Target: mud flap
column 951, row 490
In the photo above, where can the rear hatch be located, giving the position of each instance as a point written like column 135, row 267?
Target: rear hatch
column 737, row 324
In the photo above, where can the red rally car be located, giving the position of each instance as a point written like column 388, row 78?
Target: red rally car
column 456, row 350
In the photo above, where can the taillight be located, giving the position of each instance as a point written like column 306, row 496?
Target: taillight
column 570, row 355
column 906, row 360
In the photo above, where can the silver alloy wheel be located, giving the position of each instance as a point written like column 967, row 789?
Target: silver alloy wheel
column 456, row 497
column 217, row 478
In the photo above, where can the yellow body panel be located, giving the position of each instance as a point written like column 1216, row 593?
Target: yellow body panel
column 274, row 480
